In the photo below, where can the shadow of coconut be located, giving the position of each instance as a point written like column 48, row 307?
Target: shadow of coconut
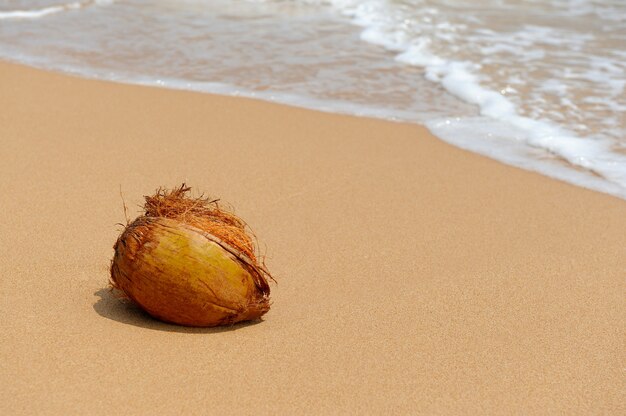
column 111, row 306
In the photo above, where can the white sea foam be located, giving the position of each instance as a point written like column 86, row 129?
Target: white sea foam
column 593, row 155
column 48, row 10
column 38, row 13
column 494, row 139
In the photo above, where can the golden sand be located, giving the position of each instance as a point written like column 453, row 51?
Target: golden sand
column 413, row 277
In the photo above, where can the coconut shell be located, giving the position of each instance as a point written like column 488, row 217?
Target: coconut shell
column 180, row 273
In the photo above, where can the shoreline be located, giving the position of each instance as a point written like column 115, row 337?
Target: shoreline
column 521, row 154
column 412, row 276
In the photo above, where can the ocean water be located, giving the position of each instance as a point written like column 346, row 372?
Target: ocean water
column 539, row 84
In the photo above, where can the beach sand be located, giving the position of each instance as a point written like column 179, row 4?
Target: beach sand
column 413, row 277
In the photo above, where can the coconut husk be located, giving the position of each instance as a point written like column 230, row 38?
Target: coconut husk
column 190, row 261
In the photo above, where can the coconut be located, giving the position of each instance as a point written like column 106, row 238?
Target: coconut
column 188, row 261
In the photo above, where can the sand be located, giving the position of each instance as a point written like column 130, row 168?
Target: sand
column 413, row 277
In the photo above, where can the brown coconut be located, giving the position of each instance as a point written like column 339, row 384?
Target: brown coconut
column 188, row 261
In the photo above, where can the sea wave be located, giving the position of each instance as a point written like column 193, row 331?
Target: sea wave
column 535, row 84
column 48, row 10
column 415, row 30
column 38, row 13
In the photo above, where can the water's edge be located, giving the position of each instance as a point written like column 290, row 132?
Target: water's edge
column 443, row 129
